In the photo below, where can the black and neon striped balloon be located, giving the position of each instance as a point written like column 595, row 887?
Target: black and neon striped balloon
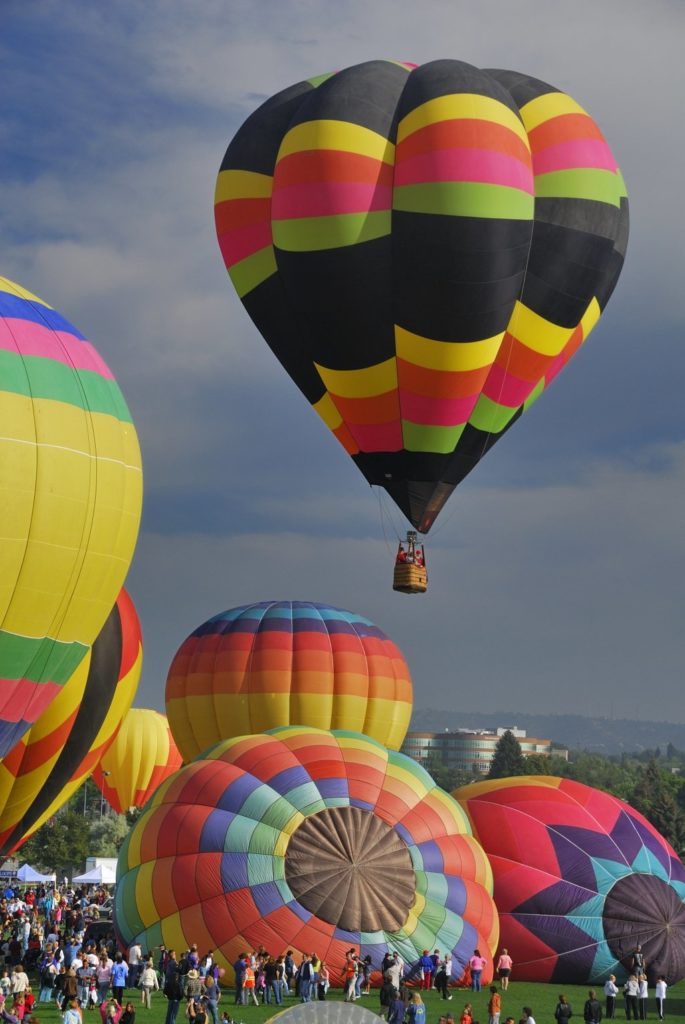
column 423, row 249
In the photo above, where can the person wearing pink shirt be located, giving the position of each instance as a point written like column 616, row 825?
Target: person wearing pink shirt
column 504, row 966
column 476, row 963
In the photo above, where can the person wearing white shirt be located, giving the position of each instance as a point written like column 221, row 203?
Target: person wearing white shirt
column 642, row 995
column 661, row 987
column 610, row 991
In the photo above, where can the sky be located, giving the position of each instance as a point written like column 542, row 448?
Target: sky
column 556, row 569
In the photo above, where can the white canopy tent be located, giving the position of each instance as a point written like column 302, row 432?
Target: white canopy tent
column 101, row 875
column 28, row 874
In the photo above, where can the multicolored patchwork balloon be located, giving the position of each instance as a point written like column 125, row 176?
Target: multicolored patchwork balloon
column 70, row 503
column 423, row 249
column 580, row 879
column 309, row 840
column 264, row 665
column 51, row 761
column 141, row 757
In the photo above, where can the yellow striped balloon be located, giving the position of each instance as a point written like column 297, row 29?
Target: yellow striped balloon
column 142, row 756
column 46, row 767
column 70, row 503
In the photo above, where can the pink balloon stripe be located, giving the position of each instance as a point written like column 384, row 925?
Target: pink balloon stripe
column 438, row 412
column 574, row 153
column 32, row 339
column 465, row 164
column 242, row 242
column 505, row 389
column 23, row 699
column 377, row 437
column 326, row 198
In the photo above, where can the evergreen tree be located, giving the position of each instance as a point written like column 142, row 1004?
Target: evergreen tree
column 508, row 759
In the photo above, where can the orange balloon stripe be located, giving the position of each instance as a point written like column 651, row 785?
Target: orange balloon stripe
column 466, row 133
column 563, row 128
column 328, row 165
column 376, row 409
column 439, row 383
column 520, row 361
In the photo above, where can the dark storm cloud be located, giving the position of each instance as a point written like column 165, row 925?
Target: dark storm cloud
column 556, row 569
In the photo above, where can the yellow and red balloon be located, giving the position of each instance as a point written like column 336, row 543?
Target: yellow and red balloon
column 141, row 757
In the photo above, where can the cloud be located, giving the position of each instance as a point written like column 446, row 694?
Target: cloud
column 557, row 598
column 554, row 569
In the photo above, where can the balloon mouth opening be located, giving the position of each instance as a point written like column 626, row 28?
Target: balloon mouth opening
column 641, row 909
column 351, row 869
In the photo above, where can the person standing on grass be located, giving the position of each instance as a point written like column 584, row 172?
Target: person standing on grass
column 661, row 987
column 563, row 1011
column 642, row 995
column 476, row 965
column 416, row 1011
column 148, row 984
column 119, row 977
column 610, row 992
column 504, row 966
column 592, row 1011
column 631, row 990
column 494, row 1005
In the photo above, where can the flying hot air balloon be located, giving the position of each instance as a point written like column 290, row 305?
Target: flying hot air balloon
column 70, row 503
column 423, row 249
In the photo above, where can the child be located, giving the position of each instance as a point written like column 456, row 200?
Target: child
column 494, row 1005
column 29, row 1002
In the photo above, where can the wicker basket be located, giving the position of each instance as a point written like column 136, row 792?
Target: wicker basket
column 410, row 578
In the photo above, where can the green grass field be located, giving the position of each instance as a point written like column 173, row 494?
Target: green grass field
column 541, row 998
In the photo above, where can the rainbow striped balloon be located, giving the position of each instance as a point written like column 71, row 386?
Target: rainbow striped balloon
column 70, row 503
column 423, row 249
column 276, row 663
column 309, row 840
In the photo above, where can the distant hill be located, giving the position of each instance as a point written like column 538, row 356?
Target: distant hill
column 577, row 732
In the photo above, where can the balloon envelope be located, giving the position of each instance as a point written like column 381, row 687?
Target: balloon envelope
column 70, row 502
column 54, row 758
column 423, row 249
column 305, row 839
column 580, row 879
column 141, row 757
column 264, row 665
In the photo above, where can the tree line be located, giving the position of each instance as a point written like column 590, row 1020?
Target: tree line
column 652, row 781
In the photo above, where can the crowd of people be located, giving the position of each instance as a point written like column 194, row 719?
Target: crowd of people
column 77, row 965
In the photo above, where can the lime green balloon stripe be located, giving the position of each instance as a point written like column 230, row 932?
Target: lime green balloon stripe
column 254, row 269
column 420, row 437
column 465, row 199
column 309, row 234
column 581, row 183
column 489, row 416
